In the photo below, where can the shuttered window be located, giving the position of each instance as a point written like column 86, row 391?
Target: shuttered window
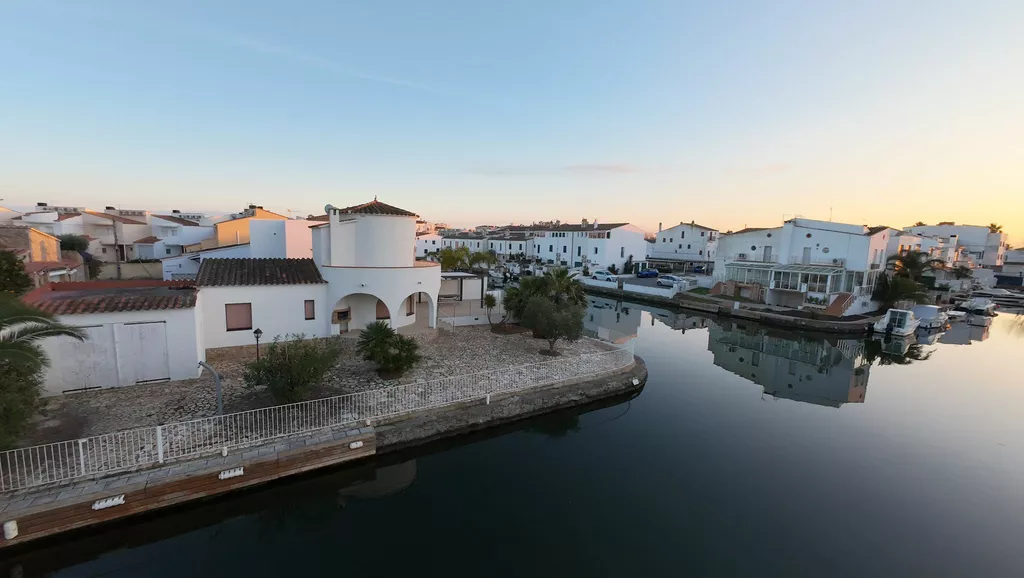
column 238, row 316
column 310, row 309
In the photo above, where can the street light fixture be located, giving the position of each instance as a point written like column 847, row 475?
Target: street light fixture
column 257, row 334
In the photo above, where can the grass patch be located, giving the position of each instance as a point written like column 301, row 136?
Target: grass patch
column 699, row 291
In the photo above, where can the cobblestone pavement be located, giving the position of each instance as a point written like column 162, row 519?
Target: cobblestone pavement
column 445, row 354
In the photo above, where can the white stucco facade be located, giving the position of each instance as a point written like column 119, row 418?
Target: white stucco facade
column 427, row 244
column 987, row 248
column 281, row 239
column 366, row 254
column 187, row 265
column 114, row 355
column 686, row 243
column 277, row 310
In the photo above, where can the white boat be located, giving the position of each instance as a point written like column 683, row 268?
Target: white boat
column 897, row 322
column 1001, row 297
column 930, row 317
column 979, row 320
column 978, row 306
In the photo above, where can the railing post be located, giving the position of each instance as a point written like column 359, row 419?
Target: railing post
column 160, row 443
column 81, row 457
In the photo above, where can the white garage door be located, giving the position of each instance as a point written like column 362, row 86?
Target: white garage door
column 113, row 354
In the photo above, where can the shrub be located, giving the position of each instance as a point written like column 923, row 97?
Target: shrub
column 19, row 399
column 490, row 302
column 394, row 354
column 291, row 370
column 553, row 322
column 13, row 278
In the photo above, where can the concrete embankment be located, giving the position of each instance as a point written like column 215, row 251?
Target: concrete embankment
column 48, row 511
column 726, row 309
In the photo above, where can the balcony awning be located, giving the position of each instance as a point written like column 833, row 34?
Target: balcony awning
column 750, row 265
column 817, row 269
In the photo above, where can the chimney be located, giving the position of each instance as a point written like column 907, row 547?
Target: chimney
column 659, row 227
column 175, row 212
column 252, row 206
column 595, row 223
column 259, row 206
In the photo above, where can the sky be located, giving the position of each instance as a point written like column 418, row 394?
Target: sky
column 730, row 114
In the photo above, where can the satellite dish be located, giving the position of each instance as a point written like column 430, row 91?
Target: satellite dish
column 328, row 208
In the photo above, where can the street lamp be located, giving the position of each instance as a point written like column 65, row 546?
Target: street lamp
column 257, row 334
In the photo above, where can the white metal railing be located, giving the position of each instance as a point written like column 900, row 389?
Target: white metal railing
column 138, row 448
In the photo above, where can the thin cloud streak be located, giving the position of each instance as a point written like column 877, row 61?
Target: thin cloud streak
column 577, row 170
column 318, row 62
column 769, row 169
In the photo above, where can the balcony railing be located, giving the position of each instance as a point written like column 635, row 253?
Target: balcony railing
column 753, row 257
column 817, row 260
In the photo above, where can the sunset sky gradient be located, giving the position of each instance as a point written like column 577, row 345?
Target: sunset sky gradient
column 725, row 113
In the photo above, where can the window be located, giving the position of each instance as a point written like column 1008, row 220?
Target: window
column 551, row 248
column 664, row 240
column 520, row 246
column 579, row 251
column 622, row 251
column 238, row 316
column 682, row 246
column 702, row 233
column 595, row 250
column 682, row 234
column 167, row 251
column 701, row 252
column 310, row 309
column 432, row 242
column 174, row 232
column 671, row 240
column 563, row 249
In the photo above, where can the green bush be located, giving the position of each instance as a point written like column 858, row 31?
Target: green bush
column 72, row 242
column 291, row 370
column 394, row 354
column 13, row 278
column 553, row 322
column 19, row 399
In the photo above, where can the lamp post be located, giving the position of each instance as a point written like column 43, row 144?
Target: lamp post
column 257, row 334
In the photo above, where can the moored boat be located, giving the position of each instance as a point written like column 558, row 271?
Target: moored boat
column 978, row 306
column 930, row 317
column 1001, row 297
column 897, row 322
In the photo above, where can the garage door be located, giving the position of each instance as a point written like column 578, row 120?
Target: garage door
column 112, row 354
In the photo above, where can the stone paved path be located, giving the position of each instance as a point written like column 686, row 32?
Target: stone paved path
column 445, row 354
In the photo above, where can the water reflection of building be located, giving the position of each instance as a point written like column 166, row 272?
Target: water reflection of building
column 675, row 319
column 963, row 334
column 611, row 320
column 811, row 370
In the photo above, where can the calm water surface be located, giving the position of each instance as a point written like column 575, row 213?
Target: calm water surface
column 751, row 452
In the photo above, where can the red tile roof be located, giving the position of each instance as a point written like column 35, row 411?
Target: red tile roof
column 376, row 207
column 323, row 217
column 98, row 297
column 750, row 230
column 252, row 272
column 178, row 220
column 118, row 218
column 147, row 240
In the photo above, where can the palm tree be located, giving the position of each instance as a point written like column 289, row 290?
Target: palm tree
column 913, row 264
column 566, row 287
column 453, row 259
column 482, row 258
column 994, row 228
column 891, row 290
column 22, row 327
column 374, row 341
column 516, row 299
column 920, row 224
column 490, row 302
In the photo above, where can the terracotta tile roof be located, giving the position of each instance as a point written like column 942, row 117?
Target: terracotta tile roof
column 376, row 207
column 65, row 216
column 148, row 240
column 251, row 272
column 320, row 218
column 178, row 220
column 582, row 227
column 111, row 299
column 878, row 229
column 118, row 218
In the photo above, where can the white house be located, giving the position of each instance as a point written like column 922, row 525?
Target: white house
column 593, row 245
column 803, row 263
column 169, row 234
column 684, row 245
column 363, row 252
column 137, row 332
column 986, row 247
column 267, row 238
column 427, row 244
column 472, row 242
column 945, row 249
column 1014, row 262
column 280, row 297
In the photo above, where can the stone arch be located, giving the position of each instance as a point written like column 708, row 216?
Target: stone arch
column 419, row 309
column 354, row 311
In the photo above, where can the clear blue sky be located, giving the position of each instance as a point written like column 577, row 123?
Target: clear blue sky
column 728, row 113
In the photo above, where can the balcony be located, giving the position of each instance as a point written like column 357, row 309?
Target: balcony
column 818, row 260
column 752, row 257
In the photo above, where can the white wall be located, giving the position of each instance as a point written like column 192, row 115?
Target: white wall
column 276, row 309
column 184, row 345
column 390, row 285
column 372, row 240
column 751, row 244
column 427, row 244
column 685, row 242
column 277, row 239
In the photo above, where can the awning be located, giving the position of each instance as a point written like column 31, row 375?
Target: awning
column 750, row 265
column 818, row 269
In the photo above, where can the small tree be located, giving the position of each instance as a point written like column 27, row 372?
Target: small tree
column 552, row 323
column 291, row 370
column 77, row 243
column 394, row 354
column 13, row 278
column 490, row 302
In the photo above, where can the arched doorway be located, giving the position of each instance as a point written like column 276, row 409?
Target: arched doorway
column 355, row 311
column 418, row 311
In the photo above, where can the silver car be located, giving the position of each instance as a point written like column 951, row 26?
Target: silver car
column 668, row 281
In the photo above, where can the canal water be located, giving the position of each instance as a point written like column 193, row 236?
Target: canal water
column 750, row 452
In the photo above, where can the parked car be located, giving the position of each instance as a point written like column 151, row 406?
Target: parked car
column 668, row 281
column 647, row 274
column 699, row 269
column 603, row 276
